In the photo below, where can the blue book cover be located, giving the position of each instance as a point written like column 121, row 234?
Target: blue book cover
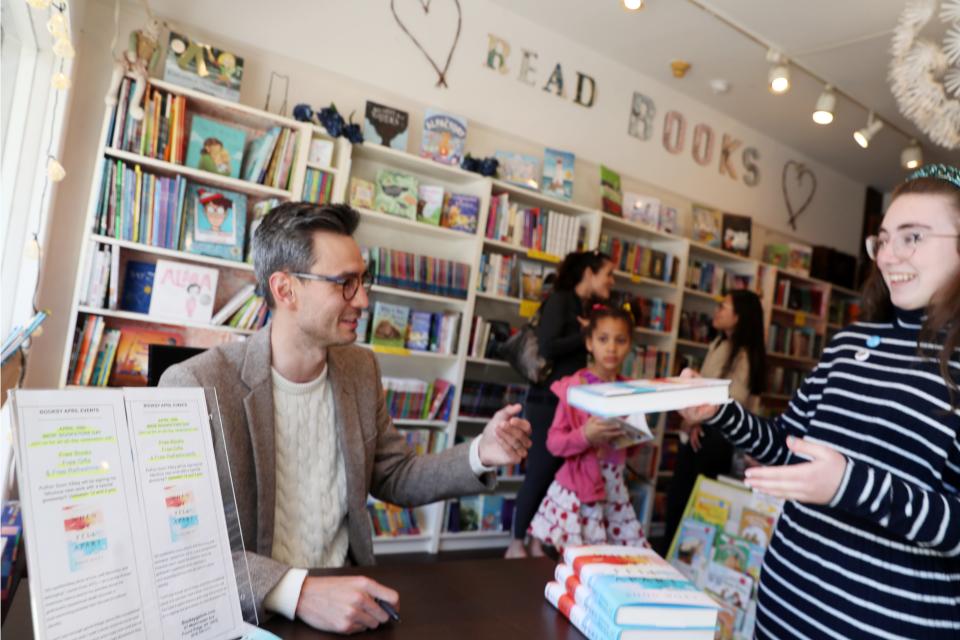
column 492, row 513
column 216, row 220
column 137, row 286
column 386, row 125
column 419, row 333
column 215, row 147
column 461, row 212
column 558, row 174
column 444, row 137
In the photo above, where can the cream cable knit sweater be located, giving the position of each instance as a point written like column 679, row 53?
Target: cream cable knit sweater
column 310, row 527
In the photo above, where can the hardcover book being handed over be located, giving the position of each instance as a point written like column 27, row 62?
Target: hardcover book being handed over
column 609, row 399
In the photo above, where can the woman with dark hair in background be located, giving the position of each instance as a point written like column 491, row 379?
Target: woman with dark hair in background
column 583, row 277
column 737, row 354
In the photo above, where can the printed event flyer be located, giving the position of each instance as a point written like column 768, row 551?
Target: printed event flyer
column 123, row 517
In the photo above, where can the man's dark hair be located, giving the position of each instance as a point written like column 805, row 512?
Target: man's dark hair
column 284, row 239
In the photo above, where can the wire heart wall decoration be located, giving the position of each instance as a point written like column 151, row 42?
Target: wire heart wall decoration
column 425, row 5
column 800, row 171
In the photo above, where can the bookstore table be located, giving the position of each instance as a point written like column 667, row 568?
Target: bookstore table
column 462, row 599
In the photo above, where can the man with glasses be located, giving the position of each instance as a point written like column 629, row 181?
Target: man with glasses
column 307, row 430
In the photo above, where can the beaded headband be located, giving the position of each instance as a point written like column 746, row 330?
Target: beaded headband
column 939, row 171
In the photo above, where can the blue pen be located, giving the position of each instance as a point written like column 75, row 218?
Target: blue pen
column 386, row 606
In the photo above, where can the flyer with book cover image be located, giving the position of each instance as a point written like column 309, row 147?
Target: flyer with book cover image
column 611, row 399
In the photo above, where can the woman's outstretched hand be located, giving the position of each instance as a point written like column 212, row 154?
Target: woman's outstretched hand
column 813, row 482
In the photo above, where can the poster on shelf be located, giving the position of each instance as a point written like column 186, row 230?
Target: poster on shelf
column 123, row 515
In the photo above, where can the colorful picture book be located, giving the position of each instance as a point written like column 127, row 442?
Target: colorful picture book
column 199, row 66
column 386, row 125
column 430, row 205
column 133, row 351
column 611, row 198
column 362, row 193
column 389, row 324
column 444, row 137
column 461, row 212
column 736, row 233
column 215, row 146
column 137, row 286
column 215, row 222
column 707, row 226
column 557, row 174
column 642, row 209
column 183, row 292
column 396, row 193
column 518, row 168
column 321, row 152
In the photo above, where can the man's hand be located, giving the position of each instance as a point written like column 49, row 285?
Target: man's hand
column 344, row 604
column 598, row 431
column 505, row 439
column 814, row 482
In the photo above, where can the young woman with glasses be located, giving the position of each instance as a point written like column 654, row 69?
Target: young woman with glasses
column 867, row 454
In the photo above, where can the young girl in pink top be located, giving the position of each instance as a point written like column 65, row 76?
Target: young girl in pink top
column 588, row 503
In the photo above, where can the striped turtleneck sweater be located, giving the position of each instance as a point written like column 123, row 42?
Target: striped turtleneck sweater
column 882, row 560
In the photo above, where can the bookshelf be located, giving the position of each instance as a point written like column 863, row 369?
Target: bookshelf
column 642, row 277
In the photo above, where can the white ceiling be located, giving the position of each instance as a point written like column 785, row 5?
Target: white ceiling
column 647, row 40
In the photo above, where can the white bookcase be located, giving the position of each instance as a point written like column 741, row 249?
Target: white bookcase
column 382, row 230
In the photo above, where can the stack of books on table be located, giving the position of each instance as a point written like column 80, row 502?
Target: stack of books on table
column 629, row 593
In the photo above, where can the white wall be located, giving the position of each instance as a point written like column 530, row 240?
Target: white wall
column 348, row 52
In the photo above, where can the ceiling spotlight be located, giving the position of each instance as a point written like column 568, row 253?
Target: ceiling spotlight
column 779, row 77
column 912, row 155
column 863, row 136
column 826, row 104
column 633, row 5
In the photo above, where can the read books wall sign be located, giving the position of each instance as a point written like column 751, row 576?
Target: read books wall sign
column 724, row 152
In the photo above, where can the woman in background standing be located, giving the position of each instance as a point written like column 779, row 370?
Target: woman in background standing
column 737, row 354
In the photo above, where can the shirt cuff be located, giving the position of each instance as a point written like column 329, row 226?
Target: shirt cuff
column 285, row 595
column 476, row 466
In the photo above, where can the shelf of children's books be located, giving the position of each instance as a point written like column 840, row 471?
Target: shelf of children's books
column 404, row 161
column 403, row 352
column 488, row 362
column 529, row 196
column 473, row 419
column 405, row 224
column 496, row 298
column 142, row 317
column 172, row 253
column 798, row 314
column 322, row 167
column 654, row 333
column 645, row 233
column 638, row 279
column 715, row 253
column 417, row 295
column 692, row 344
column 410, row 423
column 789, row 358
column 196, row 175
column 713, row 297
column 471, row 540
column 232, row 111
